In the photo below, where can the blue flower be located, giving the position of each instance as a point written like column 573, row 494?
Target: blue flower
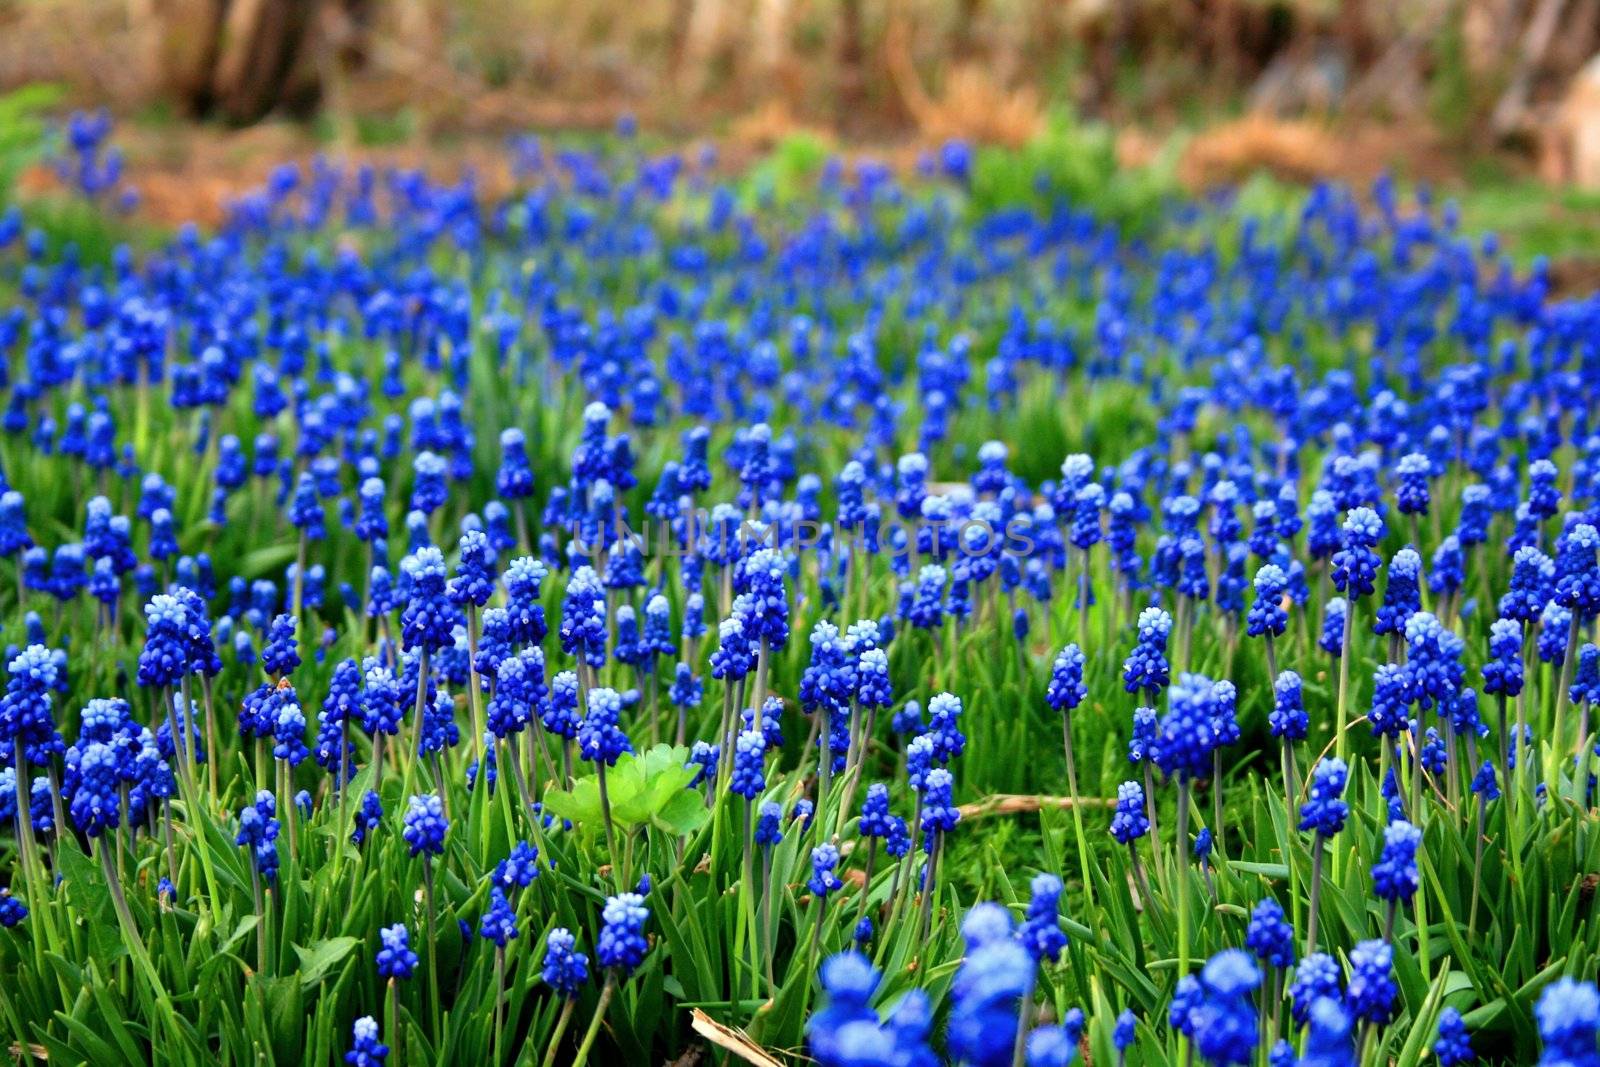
column 1331, row 639
column 1355, row 565
column 564, row 970
column 704, row 757
column 1484, row 784
column 12, row 909
column 939, row 813
column 1391, row 701
column 944, row 713
column 1187, row 996
column 1586, row 678
column 1372, row 991
column 1568, row 1014
column 499, row 923
column 26, row 716
column 395, row 959
column 514, row 480
column 1453, row 1045
column 583, row 617
column 1316, row 977
column 1269, row 935
column 1328, row 1043
column 873, row 689
column 474, row 580
column 600, row 737
column 96, row 769
column 1411, row 488
column 1325, row 811
column 425, row 825
column 1503, row 670
column 365, row 1048
column 1066, row 689
column 995, row 975
column 519, row 689
column 824, row 858
column 367, row 817
column 622, row 942
column 1267, row 615
column 1145, row 727
column 1394, row 876
column 762, row 574
column 1402, row 594
column 846, row 1032
column 164, row 660
column 519, row 869
column 1146, row 667
column 372, row 524
column 1186, row 735
column 1129, row 822
column 1225, row 1021
column 258, row 831
column 429, row 618
column 1041, row 928
column 748, row 779
column 1576, row 571
column 559, row 715
column 1288, row 718
column 1052, row 1046
column 1532, row 584
column 769, row 823
column 524, row 613
column 1125, row 1031
column 1434, row 671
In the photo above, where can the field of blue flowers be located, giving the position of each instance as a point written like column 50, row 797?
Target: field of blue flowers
column 657, row 617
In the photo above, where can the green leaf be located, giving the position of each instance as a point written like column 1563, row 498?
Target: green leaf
column 682, row 815
column 316, row 961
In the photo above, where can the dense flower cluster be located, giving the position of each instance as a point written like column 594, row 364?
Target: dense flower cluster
column 337, row 457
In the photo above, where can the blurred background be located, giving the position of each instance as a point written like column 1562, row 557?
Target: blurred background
column 1501, row 96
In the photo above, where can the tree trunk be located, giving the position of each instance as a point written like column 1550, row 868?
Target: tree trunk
column 241, row 60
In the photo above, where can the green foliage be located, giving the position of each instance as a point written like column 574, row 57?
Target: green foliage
column 23, row 131
column 1076, row 160
column 786, row 172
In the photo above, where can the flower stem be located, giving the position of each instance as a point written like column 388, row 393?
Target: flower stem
column 594, row 1022
column 560, row 1031
column 1077, row 811
column 611, row 837
column 1182, row 871
column 1316, row 894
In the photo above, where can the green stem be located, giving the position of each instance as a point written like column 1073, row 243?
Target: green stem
column 1077, row 814
column 594, row 1023
column 560, row 1031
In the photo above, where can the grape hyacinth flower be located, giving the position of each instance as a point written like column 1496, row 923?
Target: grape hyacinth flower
column 395, row 959
column 1224, row 1023
column 1041, row 930
column 1354, row 571
column 1395, row 878
column 939, row 816
column 1568, row 1014
column 1064, row 694
column 12, row 909
column 1328, row 1041
column 994, row 979
column 365, row 1048
column 1130, row 822
column 1324, row 814
column 1453, row 1045
column 601, row 740
column 620, row 950
column 565, row 972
